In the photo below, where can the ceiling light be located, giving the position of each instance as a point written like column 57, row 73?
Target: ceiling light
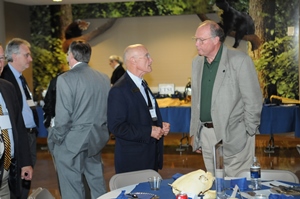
column 57, row 0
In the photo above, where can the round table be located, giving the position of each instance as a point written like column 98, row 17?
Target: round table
column 115, row 193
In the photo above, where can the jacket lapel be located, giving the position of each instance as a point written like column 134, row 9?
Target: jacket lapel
column 220, row 75
column 135, row 90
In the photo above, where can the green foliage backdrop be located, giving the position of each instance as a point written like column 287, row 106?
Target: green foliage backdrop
column 278, row 60
column 280, row 68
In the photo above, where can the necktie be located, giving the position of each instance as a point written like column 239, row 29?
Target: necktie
column 28, row 97
column 7, row 157
column 24, row 85
column 145, row 85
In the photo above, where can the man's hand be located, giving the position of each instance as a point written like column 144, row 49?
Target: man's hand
column 199, row 150
column 157, row 132
column 26, row 173
column 166, row 128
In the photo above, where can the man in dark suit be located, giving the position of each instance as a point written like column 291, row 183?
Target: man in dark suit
column 50, row 101
column 19, row 58
column 21, row 164
column 116, row 63
column 134, row 117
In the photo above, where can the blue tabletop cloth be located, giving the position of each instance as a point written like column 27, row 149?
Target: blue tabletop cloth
column 42, row 131
column 165, row 191
column 280, row 119
column 274, row 119
column 178, row 117
column 124, row 195
column 280, row 196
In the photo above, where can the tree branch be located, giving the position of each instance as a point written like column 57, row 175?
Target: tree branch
column 89, row 36
column 253, row 39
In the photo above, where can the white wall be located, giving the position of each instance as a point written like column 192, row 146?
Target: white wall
column 168, row 39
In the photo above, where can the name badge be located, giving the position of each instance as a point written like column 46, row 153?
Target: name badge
column 5, row 122
column 153, row 114
column 30, row 103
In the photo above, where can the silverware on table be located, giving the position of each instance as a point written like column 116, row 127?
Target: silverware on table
column 132, row 195
column 290, row 190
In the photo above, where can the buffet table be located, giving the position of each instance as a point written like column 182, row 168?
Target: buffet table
column 179, row 118
column 274, row 119
column 280, row 119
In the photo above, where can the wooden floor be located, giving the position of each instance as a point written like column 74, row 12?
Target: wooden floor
column 286, row 157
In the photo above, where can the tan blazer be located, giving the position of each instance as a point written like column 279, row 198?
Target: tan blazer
column 236, row 100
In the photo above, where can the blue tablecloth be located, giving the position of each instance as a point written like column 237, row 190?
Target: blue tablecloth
column 274, row 119
column 41, row 128
column 280, row 119
column 165, row 191
column 179, row 118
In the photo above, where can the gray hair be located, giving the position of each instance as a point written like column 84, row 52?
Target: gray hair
column 81, row 51
column 215, row 30
column 13, row 47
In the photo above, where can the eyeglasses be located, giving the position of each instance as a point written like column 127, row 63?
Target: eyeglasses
column 147, row 56
column 200, row 40
column 27, row 55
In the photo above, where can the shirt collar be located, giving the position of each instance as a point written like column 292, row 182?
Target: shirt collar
column 16, row 73
column 135, row 79
column 76, row 64
column 218, row 55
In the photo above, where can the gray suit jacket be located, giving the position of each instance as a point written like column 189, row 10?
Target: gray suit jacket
column 236, row 100
column 81, row 107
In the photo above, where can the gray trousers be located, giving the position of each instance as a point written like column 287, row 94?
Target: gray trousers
column 72, row 167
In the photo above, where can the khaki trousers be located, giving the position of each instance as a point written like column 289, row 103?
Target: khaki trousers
column 4, row 189
column 233, row 164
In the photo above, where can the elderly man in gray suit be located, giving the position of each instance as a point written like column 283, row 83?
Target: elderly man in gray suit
column 80, row 130
column 226, row 101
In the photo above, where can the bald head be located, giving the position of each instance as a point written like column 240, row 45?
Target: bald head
column 214, row 28
column 132, row 51
column 137, row 60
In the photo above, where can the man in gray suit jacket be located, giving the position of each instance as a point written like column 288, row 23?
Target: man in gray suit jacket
column 80, row 129
column 226, row 101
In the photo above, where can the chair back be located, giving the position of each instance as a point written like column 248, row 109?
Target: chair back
column 129, row 178
column 40, row 193
column 272, row 174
